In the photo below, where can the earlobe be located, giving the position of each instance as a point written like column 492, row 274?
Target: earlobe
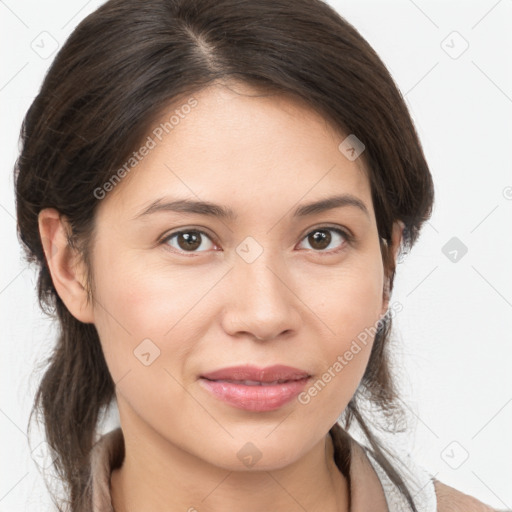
column 66, row 268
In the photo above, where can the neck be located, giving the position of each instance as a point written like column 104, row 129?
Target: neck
column 158, row 475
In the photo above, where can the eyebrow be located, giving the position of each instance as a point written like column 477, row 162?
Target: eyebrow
column 215, row 210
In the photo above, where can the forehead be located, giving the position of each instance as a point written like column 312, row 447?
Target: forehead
column 238, row 145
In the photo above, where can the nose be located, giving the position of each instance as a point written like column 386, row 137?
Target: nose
column 261, row 301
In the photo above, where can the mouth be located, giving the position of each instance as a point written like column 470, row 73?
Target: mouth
column 253, row 395
column 255, row 382
column 254, row 376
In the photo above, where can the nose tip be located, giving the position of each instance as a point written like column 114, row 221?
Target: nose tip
column 259, row 303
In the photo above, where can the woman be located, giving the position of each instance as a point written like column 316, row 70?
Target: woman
column 217, row 193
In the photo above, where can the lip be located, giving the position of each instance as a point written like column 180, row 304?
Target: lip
column 256, row 398
column 249, row 372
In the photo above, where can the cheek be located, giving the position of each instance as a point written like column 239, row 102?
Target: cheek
column 349, row 299
column 146, row 312
column 142, row 321
column 350, row 306
column 129, row 308
column 139, row 295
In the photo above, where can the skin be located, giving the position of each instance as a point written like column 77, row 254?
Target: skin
column 450, row 499
column 262, row 156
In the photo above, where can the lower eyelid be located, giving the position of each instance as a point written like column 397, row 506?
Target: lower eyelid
column 347, row 236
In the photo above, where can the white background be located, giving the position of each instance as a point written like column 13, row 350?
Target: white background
column 454, row 334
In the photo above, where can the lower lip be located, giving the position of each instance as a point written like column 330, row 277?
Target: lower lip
column 255, row 398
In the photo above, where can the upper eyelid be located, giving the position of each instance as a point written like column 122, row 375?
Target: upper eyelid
column 166, row 237
column 346, row 233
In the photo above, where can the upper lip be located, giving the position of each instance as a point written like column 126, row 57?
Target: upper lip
column 249, row 372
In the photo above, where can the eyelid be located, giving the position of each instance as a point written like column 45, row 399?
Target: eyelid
column 336, row 227
column 345, row 232
column 165, row 237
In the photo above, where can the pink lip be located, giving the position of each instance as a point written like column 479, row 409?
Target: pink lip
column 255, row 397
column 249, row 372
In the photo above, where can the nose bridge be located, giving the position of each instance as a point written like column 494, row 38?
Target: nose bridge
column 260, row 272
column 262, row 302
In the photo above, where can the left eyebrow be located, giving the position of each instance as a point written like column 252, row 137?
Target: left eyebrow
column 330, row 203
column 216, row 210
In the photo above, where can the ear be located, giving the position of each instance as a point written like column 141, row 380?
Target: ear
column 66, row 268
column 396, row 238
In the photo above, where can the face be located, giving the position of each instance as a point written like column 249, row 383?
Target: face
column 180, row 294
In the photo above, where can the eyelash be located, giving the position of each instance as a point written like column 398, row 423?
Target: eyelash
column 349, row 238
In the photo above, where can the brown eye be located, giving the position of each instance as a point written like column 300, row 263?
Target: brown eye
column 187, row 241
column 319, row 239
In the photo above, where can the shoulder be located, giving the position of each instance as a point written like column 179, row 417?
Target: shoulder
column 452, row 500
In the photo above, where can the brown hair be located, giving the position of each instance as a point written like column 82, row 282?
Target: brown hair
column 118, row 71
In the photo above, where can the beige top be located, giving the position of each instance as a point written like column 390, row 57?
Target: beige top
column 371, row 490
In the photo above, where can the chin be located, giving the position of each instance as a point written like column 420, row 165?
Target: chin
column 255, row 454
